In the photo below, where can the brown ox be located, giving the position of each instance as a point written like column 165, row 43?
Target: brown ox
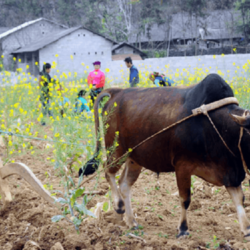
column 190, row 148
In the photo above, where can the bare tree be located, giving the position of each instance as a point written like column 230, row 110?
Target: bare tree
column 126, row 7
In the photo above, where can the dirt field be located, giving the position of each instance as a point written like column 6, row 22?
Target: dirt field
column 212, row 217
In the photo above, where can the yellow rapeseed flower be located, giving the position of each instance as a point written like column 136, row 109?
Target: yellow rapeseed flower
column 57, row 134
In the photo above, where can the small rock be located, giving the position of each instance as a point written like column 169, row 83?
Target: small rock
column 31, row 245
column 195, row 204
column 8, row 246
column 207, row 191
column 238, row 246
column 175, row 194
column 166, row 212
column 73, row 241
column 248, row 245
column 176, row 247
column 104, row 186
column 57, row 246
column 99, row 246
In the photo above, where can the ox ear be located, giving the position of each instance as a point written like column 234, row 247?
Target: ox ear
column 242, row 121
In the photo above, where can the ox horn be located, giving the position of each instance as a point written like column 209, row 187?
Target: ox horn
column 23, row 171
column 243, row 121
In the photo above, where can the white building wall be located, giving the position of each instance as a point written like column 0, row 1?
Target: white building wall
column 84, row 46
column 26, row 36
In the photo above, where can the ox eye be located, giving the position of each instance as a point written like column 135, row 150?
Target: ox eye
column 132, row 162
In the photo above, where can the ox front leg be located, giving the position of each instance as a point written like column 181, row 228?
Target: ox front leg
column 237, row 196
column 184, row 184
column 116, row 196
column 129, row 176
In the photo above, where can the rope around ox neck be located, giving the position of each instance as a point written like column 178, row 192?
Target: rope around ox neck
column 239, row 146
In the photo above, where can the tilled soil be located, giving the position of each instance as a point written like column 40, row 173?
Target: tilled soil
column 26, row 222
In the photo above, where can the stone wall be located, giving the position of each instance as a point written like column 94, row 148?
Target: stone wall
column 118, row 72
column 170, row 66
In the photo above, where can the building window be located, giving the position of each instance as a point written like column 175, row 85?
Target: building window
column 78, row 34
column 83, row 34
column 74, row 54
column 43, row 32
column 102, row 53
column 89, row 53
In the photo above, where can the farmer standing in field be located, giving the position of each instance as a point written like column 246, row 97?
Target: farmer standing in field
column 134, row 73
column 96, row 78
column 44, row 81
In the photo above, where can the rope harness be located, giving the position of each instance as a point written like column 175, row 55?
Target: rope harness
column 204, row 109
column 239, row 146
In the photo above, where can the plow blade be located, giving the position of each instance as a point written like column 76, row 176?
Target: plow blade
column 23, row 171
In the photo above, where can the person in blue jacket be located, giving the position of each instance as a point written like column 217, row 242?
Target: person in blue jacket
column 134, row 73
column 160, row 80
column 81, row 103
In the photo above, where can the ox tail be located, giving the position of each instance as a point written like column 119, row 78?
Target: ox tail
column 23, row 171
column 93, row 164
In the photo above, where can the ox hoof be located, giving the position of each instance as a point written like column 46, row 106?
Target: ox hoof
column 182, row 234
column 131, row 223
column 120, row 211
column 247, row 237
column 120, row 208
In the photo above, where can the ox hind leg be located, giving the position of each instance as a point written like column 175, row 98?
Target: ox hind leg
column 237, row 196
column 129, row 176
column 184, row 185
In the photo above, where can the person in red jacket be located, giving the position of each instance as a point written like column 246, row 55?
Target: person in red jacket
column 96, row 78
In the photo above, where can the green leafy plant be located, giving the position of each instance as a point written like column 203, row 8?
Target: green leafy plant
column 161, row 235
column 77, row 211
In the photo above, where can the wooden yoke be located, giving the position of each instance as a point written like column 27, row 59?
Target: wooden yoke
column 23, row 171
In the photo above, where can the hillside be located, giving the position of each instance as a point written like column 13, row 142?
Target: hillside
column 113, row 17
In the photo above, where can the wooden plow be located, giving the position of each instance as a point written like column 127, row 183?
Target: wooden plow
column 23, row 171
